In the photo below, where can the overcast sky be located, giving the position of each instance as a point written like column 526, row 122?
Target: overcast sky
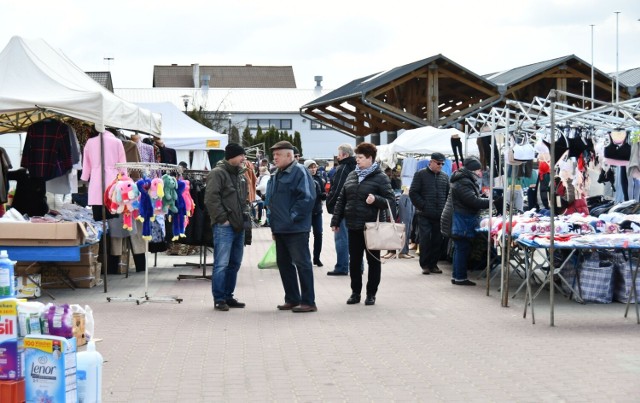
column 339, row 40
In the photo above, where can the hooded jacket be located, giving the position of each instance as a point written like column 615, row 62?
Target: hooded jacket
column 226, row 195
column 464, row 197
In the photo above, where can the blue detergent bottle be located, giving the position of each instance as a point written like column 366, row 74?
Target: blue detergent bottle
column 7, row 280
column 89, row 365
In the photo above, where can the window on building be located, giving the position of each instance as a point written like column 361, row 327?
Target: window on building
column 315, row 125
column 266, row 124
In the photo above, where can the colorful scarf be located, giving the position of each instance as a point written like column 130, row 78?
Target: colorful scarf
column 362, row 173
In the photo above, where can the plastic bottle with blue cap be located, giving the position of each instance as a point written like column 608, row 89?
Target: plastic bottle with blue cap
column 7, row 279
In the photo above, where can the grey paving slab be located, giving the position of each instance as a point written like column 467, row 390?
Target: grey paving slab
column 424, row 340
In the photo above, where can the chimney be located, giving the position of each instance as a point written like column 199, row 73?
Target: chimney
column 318, row 82
column 204, row 85
column 196, row 75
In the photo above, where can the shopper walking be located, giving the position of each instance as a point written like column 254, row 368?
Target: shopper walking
column 226, row 201
column 366, row 191
column 346, row 164
column 292, row 195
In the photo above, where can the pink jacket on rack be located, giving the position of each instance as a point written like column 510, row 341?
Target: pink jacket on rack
column 92, row 168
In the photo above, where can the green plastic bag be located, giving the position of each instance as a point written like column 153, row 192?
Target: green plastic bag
column 269, row 259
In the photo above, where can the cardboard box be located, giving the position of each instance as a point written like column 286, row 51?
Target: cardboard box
column 78, row 328
column 28, row 286
column 11, row 348
column 50, row 368
column 83, row 276
column 42, row 234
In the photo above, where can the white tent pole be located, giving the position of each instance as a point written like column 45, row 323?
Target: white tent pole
column 491, row 167
column 504, row 209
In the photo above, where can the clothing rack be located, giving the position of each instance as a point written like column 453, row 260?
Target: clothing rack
column 147, row 168
column 191, row 174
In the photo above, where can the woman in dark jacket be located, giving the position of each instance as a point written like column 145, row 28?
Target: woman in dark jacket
column 366, row 190
column 460, row 216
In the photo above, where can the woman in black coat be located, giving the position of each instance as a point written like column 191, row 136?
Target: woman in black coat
column 460, row 216
column 366, row 191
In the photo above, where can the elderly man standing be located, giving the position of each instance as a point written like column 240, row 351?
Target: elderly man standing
column 347, row 163
column 226, row 201
column 292, row 196
column 428, row 193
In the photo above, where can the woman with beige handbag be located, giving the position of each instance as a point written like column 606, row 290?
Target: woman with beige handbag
column 366, row 191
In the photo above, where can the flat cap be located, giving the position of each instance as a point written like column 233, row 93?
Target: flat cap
column 282, row 145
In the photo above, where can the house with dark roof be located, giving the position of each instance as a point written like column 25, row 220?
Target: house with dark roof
column 247, row 76
column 102, row 77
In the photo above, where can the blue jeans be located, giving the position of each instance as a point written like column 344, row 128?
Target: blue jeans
column 461, row 250
column 294, row 263
column 228, row 247
column 341, row 239
column 316, row 225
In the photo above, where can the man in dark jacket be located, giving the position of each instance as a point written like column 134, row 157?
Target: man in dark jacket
column 226, row 201
column 347, row 163
column 428, row 193
column 292, row 194
column 316, row 216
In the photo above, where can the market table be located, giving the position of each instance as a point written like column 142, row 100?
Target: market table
column 47, row 257
column 530, row 247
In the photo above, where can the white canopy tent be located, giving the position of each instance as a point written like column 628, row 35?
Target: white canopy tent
column 38, row 81
column 425, row 140
column 186, row 136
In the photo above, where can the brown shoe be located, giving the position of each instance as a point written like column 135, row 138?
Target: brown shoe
column 304, row 308
column 413, row 246
column 425, row 270
column 287, row 306
column 405, row 256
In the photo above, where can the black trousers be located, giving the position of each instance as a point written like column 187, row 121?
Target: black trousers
column 430, row 239
column 356, row 250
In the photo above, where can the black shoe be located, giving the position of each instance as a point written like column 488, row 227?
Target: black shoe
column 221, row 306
column 371, row 299
column 318, row 263
column 336, row 273
column 425, row 270
column 234, row 303
column 463, row 282
column 435, row 270
column 353, row 299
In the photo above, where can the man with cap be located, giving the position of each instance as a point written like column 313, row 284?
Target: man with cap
column 292, row 195
column 428, row 193
column 226, row 201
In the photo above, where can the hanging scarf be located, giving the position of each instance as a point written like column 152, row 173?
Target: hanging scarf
column 362, row 173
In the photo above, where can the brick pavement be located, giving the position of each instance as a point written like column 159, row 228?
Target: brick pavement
column 424, row 340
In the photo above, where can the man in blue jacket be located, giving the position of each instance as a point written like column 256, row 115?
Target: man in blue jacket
column 292, row 195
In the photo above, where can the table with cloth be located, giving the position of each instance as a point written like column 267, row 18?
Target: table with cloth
column 579, row 271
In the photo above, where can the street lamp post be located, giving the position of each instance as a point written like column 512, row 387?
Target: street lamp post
column 229, row 117
column 185, row 100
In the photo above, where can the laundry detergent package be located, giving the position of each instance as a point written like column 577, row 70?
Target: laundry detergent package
column 50, row 369
column 10, row 345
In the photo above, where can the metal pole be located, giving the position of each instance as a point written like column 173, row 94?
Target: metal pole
column 552, row 195
column 592, row 73
column 617, row 60
column 503, row 246
column 104, row 215
column 491, row 167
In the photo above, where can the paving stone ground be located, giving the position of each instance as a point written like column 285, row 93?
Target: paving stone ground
column 424, row 340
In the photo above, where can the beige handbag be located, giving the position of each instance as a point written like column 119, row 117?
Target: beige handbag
column 384, row 235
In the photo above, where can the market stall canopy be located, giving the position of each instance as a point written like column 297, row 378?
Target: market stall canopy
column 428, row 139
column 180, row 132
column 38, row 81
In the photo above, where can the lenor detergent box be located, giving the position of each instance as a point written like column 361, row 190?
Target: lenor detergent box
column 50, row 369
column 10, row 346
